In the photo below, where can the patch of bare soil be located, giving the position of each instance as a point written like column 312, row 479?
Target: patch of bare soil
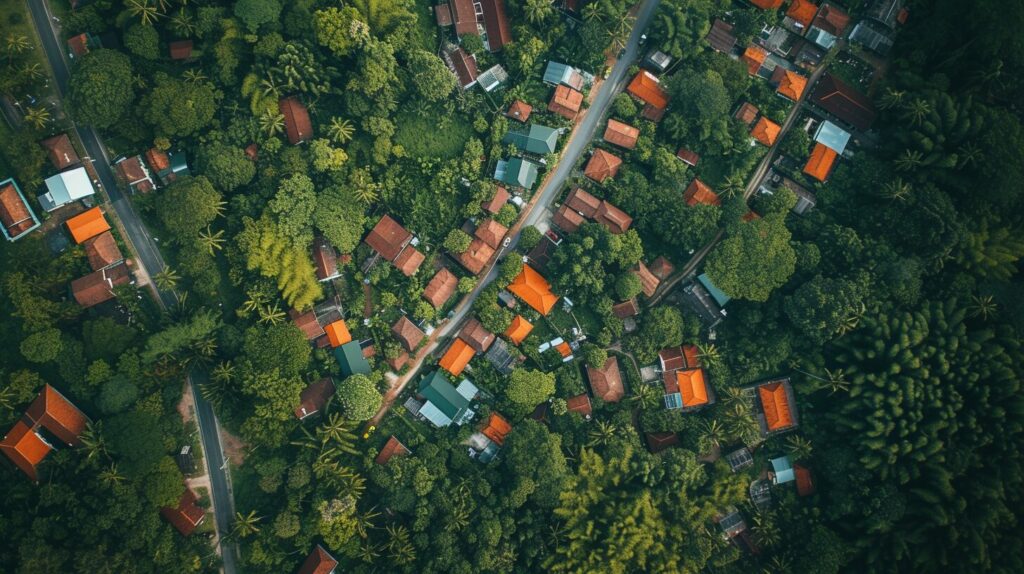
column 234, row 448
column 187, row 405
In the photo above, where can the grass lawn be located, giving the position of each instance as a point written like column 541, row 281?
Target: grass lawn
column 422, row 137
column 426, row 25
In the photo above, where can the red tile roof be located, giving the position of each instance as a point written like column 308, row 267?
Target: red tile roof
column 721, row 37
column 158, row 160
column 62, row 153
column 747, row 113
column 613, row 218
column 626, row 309
column 398, row 362
column 582, row 201
column 606, row 382
column 388, row 238
column 325, row 259
column 496, row 24
column 699, row 192
column 87, row 225
column 497, row 429
column 187, row 515
column 839, row 99
column 566, row 102
column 491, row 232
column 754, row 57
column 409, row 261
column 520, row 110
column 441, row 288
column 804, row 480
column 766, row 131
column 14, row 212
column 580, row 404
column 661, row 268
column 479, row 338
column 25, row 449
column 659, row 441
column 767, row 4
column 819, row 165
column 79, row 45
column 792, row 85
column 621, row 134
column 689, row 157
column 802, row 11
column 297, row 126
column 464, row 17
column 671, row 359
column 494, row 205
column 52, row 411
column 778, row 413
column 319, row 561
column 180, row 49
column 307, row 323
column 477, row 256
column 102, row 251
column 647, row 279
column 652, row 113
column 831, row 19
column 602, row 166
column 133, row 173
column 314, row 398
column 443, row 13
column 407, row 333
column 646, row 86
column 391, row 449
column 567, row 219
column 464, row 66
column 98, row 286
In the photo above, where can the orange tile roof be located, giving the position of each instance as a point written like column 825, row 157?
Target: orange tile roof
column 409, row 261
column 692, row 387
column 54, row 412
column 87, row 224
column 407, row 333
column 457, row 357
column 157, row 159
column 580, row 404
column 802, row 11
column 476, row 257
column 497, row 428
column 602, row 165
column 491, row 232
column 606, row 382
column 792, row 85
column 566, row 102
column 102, row 250
column 820, row 163
column 647, row 279
column 776, row 407
column 520, row 110
column 319, row 560
column 337, row 333
column 564, row 349
column 754, row 57
column 699, row 192
column 766, row 131
column 747, row 113
column 767, row 4
column 441, row 288
column 518, row 330
column 647, row 87
column 187, row 515
column 534, row 290
column 391, row 449
column 621, row 134
column 25, row 449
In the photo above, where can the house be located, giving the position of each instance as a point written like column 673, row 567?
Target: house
column 687, row 389
column 583, row 202
column 81, row 44
column 801, row 12
column 699, row 192
column 820, row 164
column 98, row 286
column 519, row 111
column 602, row 166
column 87, row 225
column 646, row 87
column 777, row 406
column 558, row 74
column 66, row 187
column 461, row 13
column 626, row 309
column 441, row 288
column 873, row 36
column 16, row 217
column 804, row 480
column 351, row 360
column 746, row 113
column 297, row 126
column 490, row 232
column 132, row 171
column 534, row 290
column 689, row 157
column 606, row 381
column 337, row 333
column 566, row 102
column 659, row 441
column 391, row 449
column 721, row 37
column 754, row 57
column 168, row 166
column 476, row 336
column 675, row 358
column 518, row 330
column 462, row 64
column 475, row 258
column 62, row 153
column 180, row 49
column 580, row 404
column 766, row 131
column 444, row 403
column 325, row 259
column 307, row 323
column 789, row 83
column 828, row 26
column 661, row 268
column 782, row 470
column 492, row 77
column 314, row 398
column 658, row 61
column 187, row 516
column 516, row 172
column 319, row 561
column 613, row 218
column 502, row 357
column 566, row 219
column 494, row 205
column 536, row 139
column 734, row 529
column 497, row 429
column 407, row 333
column 497, row 31
column 889, row 13
column 391, row 241
column 579, row 205
column 805, row 198
column 409, row 261
column 647, row 279
column 50, row 419
column 842, row 101
column 102, row 251
column 704, row 301
column 621, row 134
column 457, row 357
column 740, row 459
column 25, row 448
column 832, row 136
column 767, row 4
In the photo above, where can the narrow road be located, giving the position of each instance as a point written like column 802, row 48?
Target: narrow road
column 149, row 261
column 537, row 210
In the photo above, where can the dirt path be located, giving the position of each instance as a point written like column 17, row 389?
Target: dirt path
column 367, row 301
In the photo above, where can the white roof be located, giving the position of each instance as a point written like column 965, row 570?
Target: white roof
column 434, row 415
column 832, row 136
column 68, row 186
column 467, row 389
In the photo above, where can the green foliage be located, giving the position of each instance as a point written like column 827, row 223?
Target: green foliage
column 359, row 397
column 117, row 394
column 661, row 328
column 823, row 306
column 42, row 346
column 226, row 166
column 756, row 260
column 593, row 355
column 339, row 218
column 431, row 77
column 457, row 241
column 273, row 254
column 282, row 348
column 529, row 237
column 528, row 388
column 143, row 41
column 101, row 89
column 292, row 209
column 179, row 108
column 187, row 206
column 340, row 30
column 255, row 13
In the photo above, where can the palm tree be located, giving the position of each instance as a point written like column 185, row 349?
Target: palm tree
column 145, row 10
column 836, row 380
column 593, row 12
column 851, row 321
column 709, row 354
column 224, row 371
column 538, row 10
column 458, row 519
column 897, row 189
column 256, row 300
column 7, row 399
column 182, row 23
column 909, row 160
column 733, row 396
column 399, row 547
column 341, row 130
column 765, row 529
column 139, row 81
column 33, row 71
column 216, row 391
column 272, row 123
column 982, row 306
column 93, row 441
column 968, row 155
column 246, row 524
column 221, row 208
column 799, row 448
column 368, row 551
column 213, row 242
column 337, row 432
column 194, row 76
column 732, row 186
column 271, row 315
column 14, row 45
column 167, row 279
column 778, row 563
column 917, row 110
column 602, row 433
column 37, row 117
column 713, row 431
column 644, row 396
column 111, row 475
column 270, row 87
column 618, row 31
column 891, row 98
column 364, row 521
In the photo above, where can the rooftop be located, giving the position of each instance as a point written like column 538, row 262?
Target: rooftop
column 647, row 87
column 602, row 166
column 476, row 336
column 441, row 288
column 621, row 134
column 566, row 102
column 314, row 398
column 297, row 126
column 534, row 290
column 606, row 381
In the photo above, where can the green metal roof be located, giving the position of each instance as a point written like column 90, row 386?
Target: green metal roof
column 537, row 139
column 518, row 172
column 350, row 358
column 436, row 389
column 720, row 297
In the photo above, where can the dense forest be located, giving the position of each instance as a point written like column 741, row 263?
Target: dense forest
column 891, row 306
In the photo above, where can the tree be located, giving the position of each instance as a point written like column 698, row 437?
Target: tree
column 663, row 327
column 340, row 130
column 593, row 355
column 292, row 208
column 273, row 253
column 226, row 166
column 528, row 388
column 820, row 306
column 143, row 41
column 340, row 30
column 457, row 241
column 282, row 348
column 286, row 525
column 529, row 237
column 756, row 260
column 187, row 206
column 339, row 217
column 179, row 108
column 42, row 346
column 255, row 13
column 325, row 157
column 431, row 77
column 359, row 397
column 101, row 88
column 627, row 286
column 117, row 394
column 538, row 10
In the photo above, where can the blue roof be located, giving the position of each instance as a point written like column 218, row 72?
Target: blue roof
column 351, row 360
column 720, row 297
column 832, row 136
column 65, row 187
column 31, row 215
column 783, row 470
column 673, row 401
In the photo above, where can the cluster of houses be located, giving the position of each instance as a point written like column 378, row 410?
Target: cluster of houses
column 485, row 19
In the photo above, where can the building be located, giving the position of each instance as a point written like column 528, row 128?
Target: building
column 660, row 441
column 684, row 380
column 832, row 136
column 319, row 561
column 626, row 309
column 804, row 480
column 535, row 139
column 789, row 83
column 314, row 398
column 777, row 406
column 87, row 225
column 782, row 470
column 337, row 333
column 658, row 61
column 441, row 288
column 602, row 166
column 62, row 153
column 646, row 87
column 444, row 403
column 519, row 111
column 820, row 164
column 558, row 74
column 580, row 404
column 739, row 459
column 801, row 13
column 497, row 33
column 102, row 251
column 180, row 49
column 766, row 131
column 566, row 102
column 689, row 157
column 873, row 36
column 767, row 4
column 351, row 360
column 457, row 357
column 132, row 172
column 475, row 257
column 534, row 290
column 606, row 381
column 407, row 333
column 517, row 172
column 50, row 420
column 325, row 259
column 746, row 113
column 297, row 126
column 621, row 134
column 462, row 64
column 98, row 286
column 721, row 37
column 843, row 102
column 699, row 192
column 706, row 300
column 828, row 26
column 647, row 279
column 391, row 449
column 580, row 205
column 476, row 336
column 492, row 77
column 187, row 516
column 16, row 217
column 500, row 198
column 661, row 267
column 66, row 187
column 168, row 166
column 518, row 330
column 805, row 198
column 307, row 323
column 391, row 241
column 462, row 13
column 754, row 57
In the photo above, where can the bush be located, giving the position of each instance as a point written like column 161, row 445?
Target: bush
column 143, row 41
column 359, row 397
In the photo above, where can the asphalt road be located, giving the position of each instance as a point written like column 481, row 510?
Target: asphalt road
column 537, row 210
column 149, row 262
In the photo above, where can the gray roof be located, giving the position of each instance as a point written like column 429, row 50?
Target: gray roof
column 65, row 187
column 557, row 73
column 536, row 139
column 500, row 357
column 872, row 36
column 492, row 77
